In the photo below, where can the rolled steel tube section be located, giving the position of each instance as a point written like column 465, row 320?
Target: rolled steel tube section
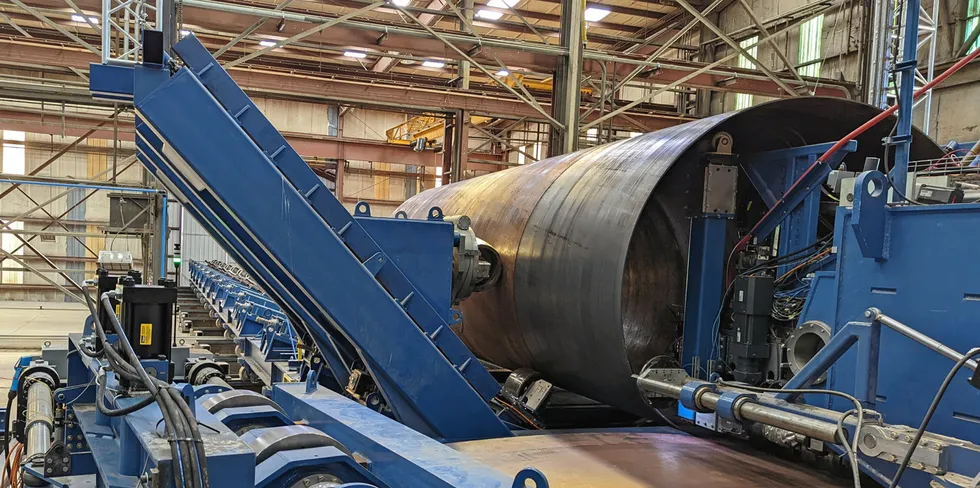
column 593, row 245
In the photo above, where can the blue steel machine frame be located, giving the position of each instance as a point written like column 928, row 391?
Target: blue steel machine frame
column 309, row 292
column 349, row 260
column 892, row 265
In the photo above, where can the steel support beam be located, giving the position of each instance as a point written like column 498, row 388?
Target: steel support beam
column 505, row 143
column 56, row 26
column 13, row 24
column 765, row 33
column 735, row 45
column 680, row 81
column 308, row 145
column 250, row 29
column 305, row 34
column 536, row 106
column 524, row 54
column 567, row 92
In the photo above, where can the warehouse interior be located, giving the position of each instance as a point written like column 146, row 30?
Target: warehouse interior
column 489, row 243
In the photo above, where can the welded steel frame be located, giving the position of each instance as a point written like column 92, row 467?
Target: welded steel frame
column 123, row 22
column 701, row 70
column 158, row 222
column 394, row 355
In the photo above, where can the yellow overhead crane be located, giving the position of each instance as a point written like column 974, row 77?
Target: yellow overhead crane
column 426, row 128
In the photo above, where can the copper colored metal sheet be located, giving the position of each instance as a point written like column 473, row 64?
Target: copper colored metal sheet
column 594, row 243
column 633, row 460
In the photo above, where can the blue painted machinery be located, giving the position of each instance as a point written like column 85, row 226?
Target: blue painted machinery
column 862, row 341
column 830, row 332
column 356, row 395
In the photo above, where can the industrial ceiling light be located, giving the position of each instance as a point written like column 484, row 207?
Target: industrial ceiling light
column 489, row 14
column 502, row 73
column 281, row 25
column 80, row 19
column 595, row 14
column 401, row 3
column 355, row 54
column 433, row 64
column 502, row 3
column 267, row 43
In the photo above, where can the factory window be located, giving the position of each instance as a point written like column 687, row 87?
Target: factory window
column 972, row 16
column 811, row 33
column 592, row 135
column 12, row 245
column 750, row 45
column 438, row 176
column 14, row 159
column 14, row 155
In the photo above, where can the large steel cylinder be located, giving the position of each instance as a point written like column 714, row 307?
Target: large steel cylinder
column 594, row 244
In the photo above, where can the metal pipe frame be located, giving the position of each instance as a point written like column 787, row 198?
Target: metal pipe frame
column 452, row 37
column 43, row 18
column 250, row 29
column 706, row 68
column 25, row 242
column 305, row 34
column 735, row 45
column 772, row 44
column 446, row 40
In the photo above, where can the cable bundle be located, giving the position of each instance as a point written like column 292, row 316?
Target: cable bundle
column 186, row 443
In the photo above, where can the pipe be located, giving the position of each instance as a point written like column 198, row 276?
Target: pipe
column 876, row 315
column 856, row 133
column 39, row 419
column 218, row 381
column 751, row 411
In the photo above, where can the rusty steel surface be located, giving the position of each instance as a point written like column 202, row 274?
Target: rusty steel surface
column 594, row 243
column 641, row 459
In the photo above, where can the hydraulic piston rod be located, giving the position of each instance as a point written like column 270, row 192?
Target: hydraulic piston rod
column 749, row 410
column 40, row 419
column 877, row 315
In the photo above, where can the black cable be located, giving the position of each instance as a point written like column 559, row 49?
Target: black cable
column 202, row 458
column 929, row 413
column 132, row 373
column 105, row 410
column 173, row 417
column 180, row 434
column 11, row 394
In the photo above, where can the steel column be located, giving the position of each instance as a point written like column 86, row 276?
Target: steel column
column 567, row 92
column 906, row 69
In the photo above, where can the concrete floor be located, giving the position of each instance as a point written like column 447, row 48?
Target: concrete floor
column 26, row 326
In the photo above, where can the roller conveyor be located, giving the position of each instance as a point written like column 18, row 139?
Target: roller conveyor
column 243, row 182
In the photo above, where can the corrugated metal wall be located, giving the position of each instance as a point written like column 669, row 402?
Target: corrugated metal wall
column 196, row 244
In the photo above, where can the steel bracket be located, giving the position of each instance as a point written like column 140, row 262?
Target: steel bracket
column 690, row 393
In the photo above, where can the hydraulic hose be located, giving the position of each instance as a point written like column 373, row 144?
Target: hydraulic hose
column 855, row 133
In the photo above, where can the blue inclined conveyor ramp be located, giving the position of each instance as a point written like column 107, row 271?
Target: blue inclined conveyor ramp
column 211, row 146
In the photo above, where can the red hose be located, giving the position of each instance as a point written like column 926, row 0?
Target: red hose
column 857, row 132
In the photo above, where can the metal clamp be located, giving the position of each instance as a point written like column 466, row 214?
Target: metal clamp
column 691, row 393
column 729, row 403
